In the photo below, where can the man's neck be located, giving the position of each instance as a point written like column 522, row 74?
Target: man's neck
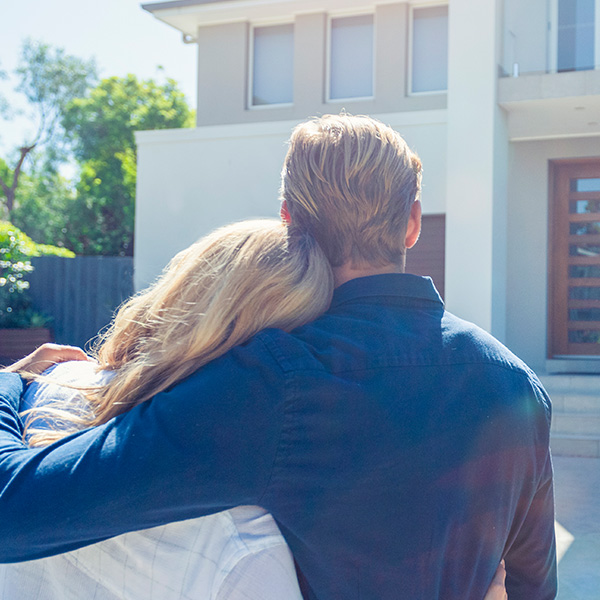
column 348, row 271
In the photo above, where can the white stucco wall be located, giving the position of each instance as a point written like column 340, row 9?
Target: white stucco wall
column 191, row 181
column 477, row 146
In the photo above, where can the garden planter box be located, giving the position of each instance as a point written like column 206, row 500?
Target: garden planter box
column 16, row 343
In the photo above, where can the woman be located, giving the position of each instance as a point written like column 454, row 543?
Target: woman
column 212, row 296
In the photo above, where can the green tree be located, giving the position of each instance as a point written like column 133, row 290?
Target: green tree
column 43, row 202
column 49, row 79
column 101, row 127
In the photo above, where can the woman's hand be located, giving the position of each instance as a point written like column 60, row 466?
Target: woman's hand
column 46, row 356
column 497, row 589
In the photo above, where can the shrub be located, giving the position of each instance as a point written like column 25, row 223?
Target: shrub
column 16, row 248
column 27, row 247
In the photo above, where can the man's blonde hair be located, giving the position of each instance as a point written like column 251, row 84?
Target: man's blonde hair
column 350, row 182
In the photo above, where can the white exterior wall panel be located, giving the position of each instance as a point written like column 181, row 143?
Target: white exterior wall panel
column 475, row 238
column 191, row 181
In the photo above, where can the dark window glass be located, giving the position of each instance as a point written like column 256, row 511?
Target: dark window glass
column 575, row 35
column 584, row 250
column 591, row 228
column 584, row 336
column 585, row 271
column 584, row 292
column 584, row 314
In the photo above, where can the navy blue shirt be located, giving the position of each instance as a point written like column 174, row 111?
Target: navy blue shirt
column 402, row 451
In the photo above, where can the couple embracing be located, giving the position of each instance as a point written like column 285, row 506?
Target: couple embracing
column 285, row 413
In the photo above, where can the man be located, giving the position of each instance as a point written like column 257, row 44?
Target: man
column 402, row 451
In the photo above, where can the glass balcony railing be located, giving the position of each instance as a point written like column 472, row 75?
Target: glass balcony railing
column 550, row 36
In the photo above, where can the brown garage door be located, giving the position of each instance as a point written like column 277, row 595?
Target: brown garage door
column 427, row 256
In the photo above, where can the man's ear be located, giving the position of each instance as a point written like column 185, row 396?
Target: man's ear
column 413, row 228
column 284, row 213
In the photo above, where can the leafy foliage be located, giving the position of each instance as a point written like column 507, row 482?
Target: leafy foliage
column 101, row 127
column 94, row 123
column 50, row 79
column 25, row 246
column 43, row 202
column 16, row 248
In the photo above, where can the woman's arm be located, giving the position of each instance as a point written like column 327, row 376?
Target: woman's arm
column 44, row 357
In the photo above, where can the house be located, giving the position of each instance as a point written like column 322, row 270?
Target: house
column 500, row 98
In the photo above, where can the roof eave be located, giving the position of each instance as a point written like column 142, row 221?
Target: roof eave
column 156, row 6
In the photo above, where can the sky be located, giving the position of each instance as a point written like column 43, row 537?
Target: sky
column 122, row 37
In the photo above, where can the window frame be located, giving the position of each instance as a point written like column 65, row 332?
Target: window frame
column 341, row 15
column 409, row 66
column 250, row 80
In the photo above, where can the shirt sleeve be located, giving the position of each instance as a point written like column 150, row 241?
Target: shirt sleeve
column 205, row 445
column 267, row 574
column 531, row 561
column 531, row 568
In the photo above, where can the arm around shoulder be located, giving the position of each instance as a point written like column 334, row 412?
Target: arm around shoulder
column 206, row 445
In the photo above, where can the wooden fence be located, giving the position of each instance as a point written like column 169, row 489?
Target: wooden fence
column 80, row 294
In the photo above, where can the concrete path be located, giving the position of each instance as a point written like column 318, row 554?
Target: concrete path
column 577, row 493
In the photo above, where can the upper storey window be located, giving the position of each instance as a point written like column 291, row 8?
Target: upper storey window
column 429, row 64
column 576, row 20
column 272, row 65
column 351, row 57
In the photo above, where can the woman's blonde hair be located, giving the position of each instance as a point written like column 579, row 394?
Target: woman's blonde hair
column 212, row 296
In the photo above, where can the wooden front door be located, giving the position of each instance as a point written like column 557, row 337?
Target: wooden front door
column 574, row 259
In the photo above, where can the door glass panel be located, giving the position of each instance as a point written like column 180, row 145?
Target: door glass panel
column 581, row 207
column 584, row 250
column 590, row 184
column 584, row 292
column 591, row 228
column 584, row 314
column 579, row 271
column 584, row 336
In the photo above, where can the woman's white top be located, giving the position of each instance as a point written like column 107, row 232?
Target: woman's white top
column 238, row 554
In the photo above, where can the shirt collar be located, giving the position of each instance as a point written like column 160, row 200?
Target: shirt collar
column 390, row 284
